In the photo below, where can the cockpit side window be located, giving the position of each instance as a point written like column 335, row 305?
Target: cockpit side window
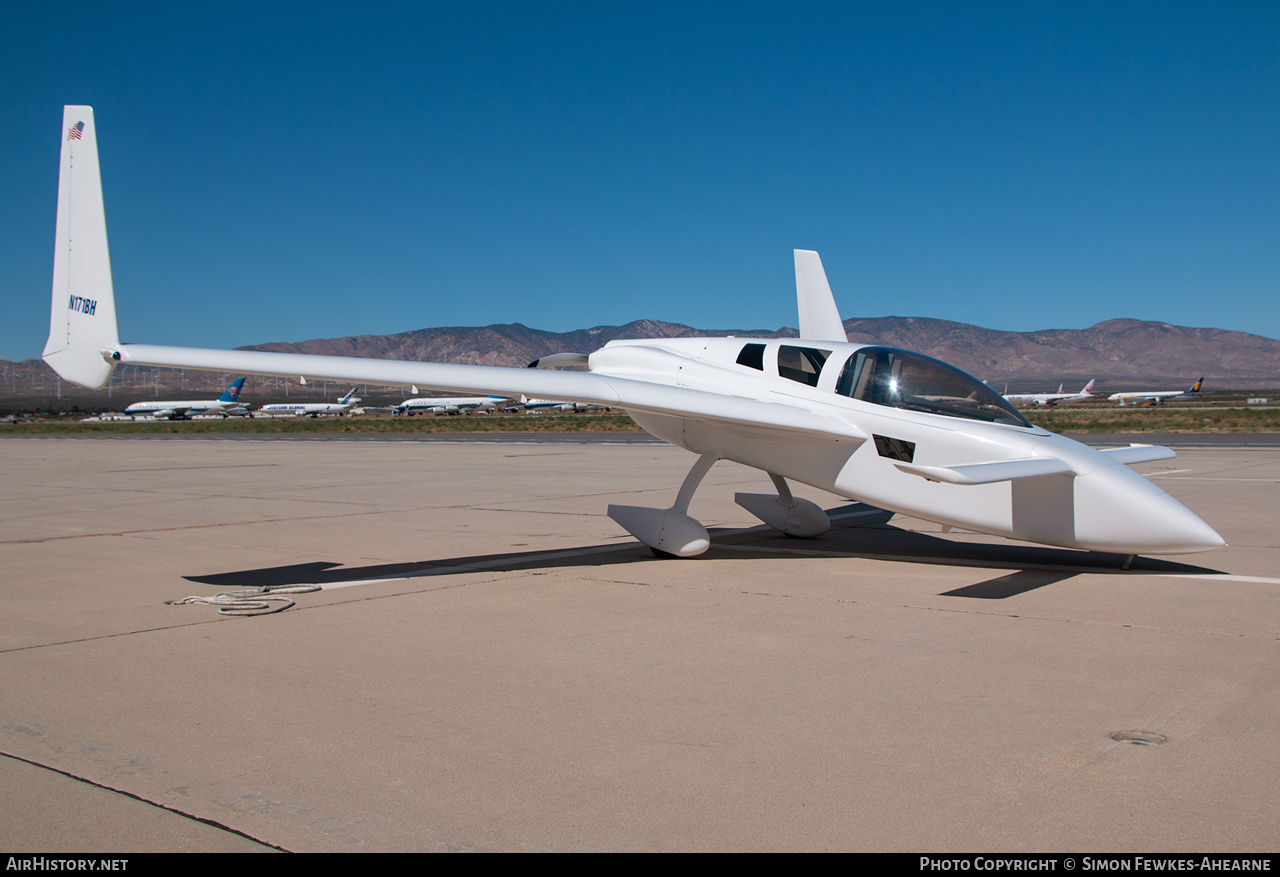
column 902, row 379
column 752, row 356
column 801, row 364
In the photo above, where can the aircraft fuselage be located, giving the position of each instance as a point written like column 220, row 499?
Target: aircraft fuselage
column 1101, row 505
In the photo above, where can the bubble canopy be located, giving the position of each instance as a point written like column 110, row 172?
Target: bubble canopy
column 902, row 379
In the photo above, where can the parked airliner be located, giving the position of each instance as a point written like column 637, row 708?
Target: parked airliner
column 451, row 405
column 555, row 405
column 1084, row 395
column 222, row 405
column 313, row 409
column 1156, row 397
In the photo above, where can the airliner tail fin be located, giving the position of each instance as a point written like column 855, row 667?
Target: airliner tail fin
column 232, row 393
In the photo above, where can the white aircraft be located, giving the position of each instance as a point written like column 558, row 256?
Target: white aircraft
column 450, row 404
column 895, row 429
column 558, row 360
column 1051, row 398
column 1156, row 397
column 314, row 409
column 554, row 404
column 224, row 404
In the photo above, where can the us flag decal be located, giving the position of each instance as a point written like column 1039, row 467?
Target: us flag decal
column 74, row 132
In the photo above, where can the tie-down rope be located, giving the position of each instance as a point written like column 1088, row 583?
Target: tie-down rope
column 252, row 601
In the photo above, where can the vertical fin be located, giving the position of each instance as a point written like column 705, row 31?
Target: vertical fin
column 819, row 318
column 82, row 314
column 232, row 393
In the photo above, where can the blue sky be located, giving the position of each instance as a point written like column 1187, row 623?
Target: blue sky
column 279, row 172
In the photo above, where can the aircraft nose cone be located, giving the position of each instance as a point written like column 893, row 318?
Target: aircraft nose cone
column 1123, row 512
column 1183, row 530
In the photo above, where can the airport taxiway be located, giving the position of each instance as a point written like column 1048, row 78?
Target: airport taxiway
column 494, row 665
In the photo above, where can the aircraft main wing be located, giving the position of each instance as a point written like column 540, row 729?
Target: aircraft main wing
column 84, row 342
column 596, row 388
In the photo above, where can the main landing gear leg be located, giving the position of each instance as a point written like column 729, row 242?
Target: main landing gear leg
column 784, row 512
column 670, row 532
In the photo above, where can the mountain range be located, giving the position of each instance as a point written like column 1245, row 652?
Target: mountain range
column 1121, row 354
column 1133, row 352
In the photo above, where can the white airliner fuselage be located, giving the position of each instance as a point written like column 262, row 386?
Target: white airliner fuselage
column 1156, row 397
column 1085, row 394
column 450, row 404
column 313, row 409
column 227, row 401
column 556, row 405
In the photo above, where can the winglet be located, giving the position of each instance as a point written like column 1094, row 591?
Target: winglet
column 819, row 317
column 82, row 314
